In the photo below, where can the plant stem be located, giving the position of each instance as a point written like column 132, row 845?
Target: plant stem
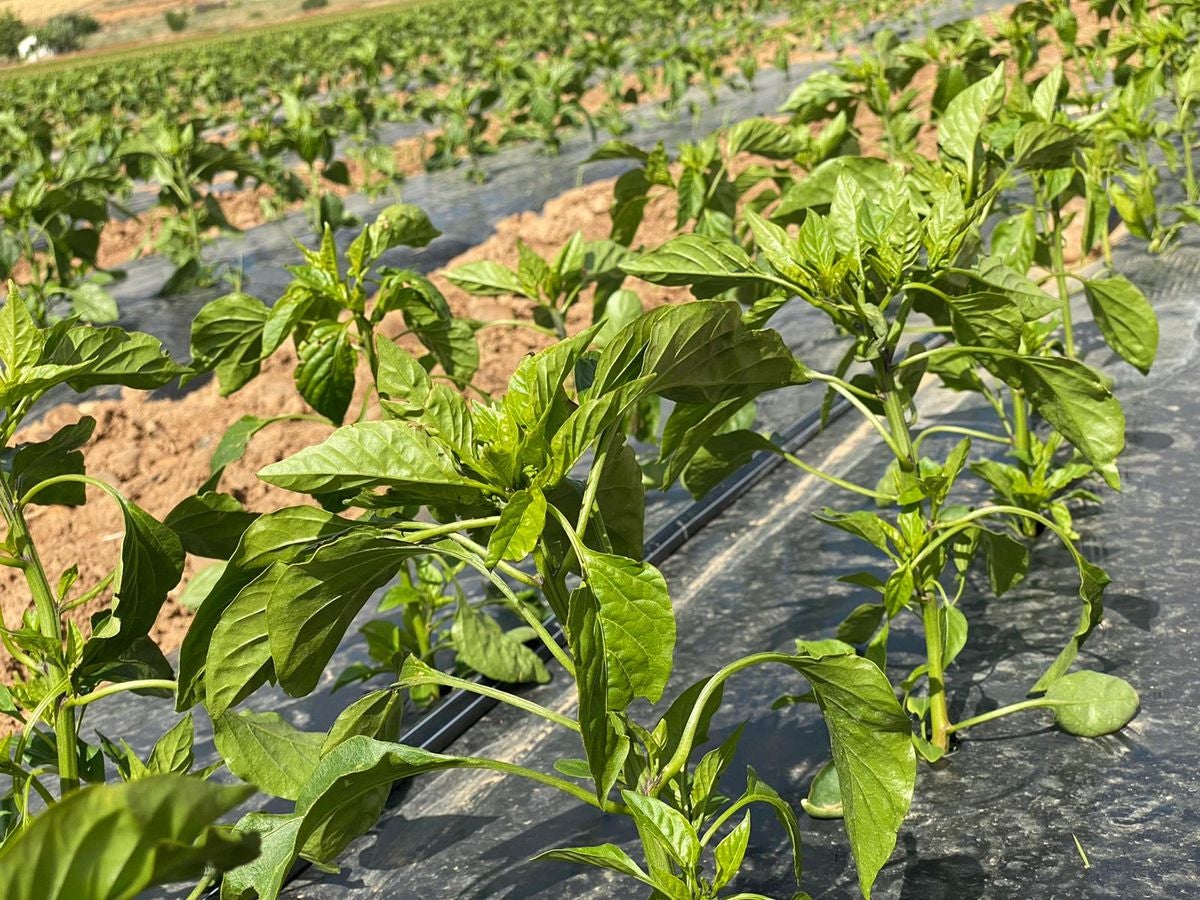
column 1035, row 703
column 939, row 715
column 846, row 391
column 433, row 676
column 834, row 480
column 1020, row 425
column 451, row 528
column 121, row 686
column 1060, row 277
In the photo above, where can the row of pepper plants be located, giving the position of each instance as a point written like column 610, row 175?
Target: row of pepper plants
column 941, row 265
column 289, row 109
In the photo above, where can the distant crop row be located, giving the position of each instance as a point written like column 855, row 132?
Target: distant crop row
column 288, row 109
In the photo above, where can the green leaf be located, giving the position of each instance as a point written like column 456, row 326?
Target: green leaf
column 209, row 524
column 1078, row 403
column 870, row 737
column 172, row 753
column 660, row 825
column 1090, row 704
column 824, row 800
column 376, row 715
column 21, row 341
column 237, row 656
column 1007, row 560
column 763, row 137
column 1125, row 318
column 234, row 442
column 265, row 751
column 816, row 189
column 862, row 622
column 638, row 625
column 389, row 454
column 960, row 126
column 697, row 353
column 621, row 499
column 315, row 600
column 520, row 526
column 730, row 852
column 604, row 856
column 58, row 455
column 200, row 585
column 115, row 841
column 483, row 646
column 325, row 371
column 227, row 337
column 399, row 224
column 344, row 788
column 485, row 279
column 709, row 267
column 151, row 565
column 605, row 742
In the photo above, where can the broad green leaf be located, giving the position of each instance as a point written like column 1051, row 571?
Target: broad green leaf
column 483, row 646
column 376, row 715
column 344, row 787
column 604, row 740
column 659, row 824
column 115, row 841
column 21, row 341
column 486, row 279
column 234, row 442
column 58, row 455
column 763, row 137
column 151, row 565
column 960, row 126
column 1090, row 704
column 638, row 624
column 815, row 190
column 200, row 585
column 1125, row 318
column 709, row 267
column 172, row 753
column 872, row 750
column 314, row 600
column 285, row 534
column 265, row 751
column 697, row 353
column 1007, row 560
column 389, row 454
column 325, row 371
column 1078, row 403
column 621, row 499
column 604, row 856
column 209, row 524
column 730, row 852
column 227, row 337
column 238, row 657
column 824, row 800
column 520, row 526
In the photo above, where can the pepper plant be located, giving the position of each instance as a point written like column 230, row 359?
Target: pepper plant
column 63, row 838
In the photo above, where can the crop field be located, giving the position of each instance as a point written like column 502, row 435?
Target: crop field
column 286, row 532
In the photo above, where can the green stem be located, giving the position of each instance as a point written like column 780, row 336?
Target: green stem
column 955, row 429
column 593, row 483
column 893, row 408
column 683, row 751
column 449, row 528
column 434, row 676
column 1020, row 425
column 141, row 684
column 577, row 791
column 844, row 389
column 1035, row 703
column 66, row 741
column 1060, row 277
column 939, row 715
column 839, row 482
column 366, row 336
